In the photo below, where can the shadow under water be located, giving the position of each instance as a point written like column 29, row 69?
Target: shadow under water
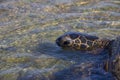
column 52, row 49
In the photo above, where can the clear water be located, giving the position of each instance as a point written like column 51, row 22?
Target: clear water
column 28, row 29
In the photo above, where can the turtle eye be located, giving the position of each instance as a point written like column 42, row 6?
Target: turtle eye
column 66, row 42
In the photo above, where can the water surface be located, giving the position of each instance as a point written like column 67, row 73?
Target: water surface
column 28, row 29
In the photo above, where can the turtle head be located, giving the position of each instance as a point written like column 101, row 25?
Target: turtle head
column 66, row 40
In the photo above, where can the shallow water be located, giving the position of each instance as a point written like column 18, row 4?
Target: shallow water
column 28, row 29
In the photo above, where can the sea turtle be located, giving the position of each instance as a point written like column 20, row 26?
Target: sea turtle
column 82, row 41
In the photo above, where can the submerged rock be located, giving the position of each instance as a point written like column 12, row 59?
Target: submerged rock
column 31, row 74
column 85, row 71
column 19, row 73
